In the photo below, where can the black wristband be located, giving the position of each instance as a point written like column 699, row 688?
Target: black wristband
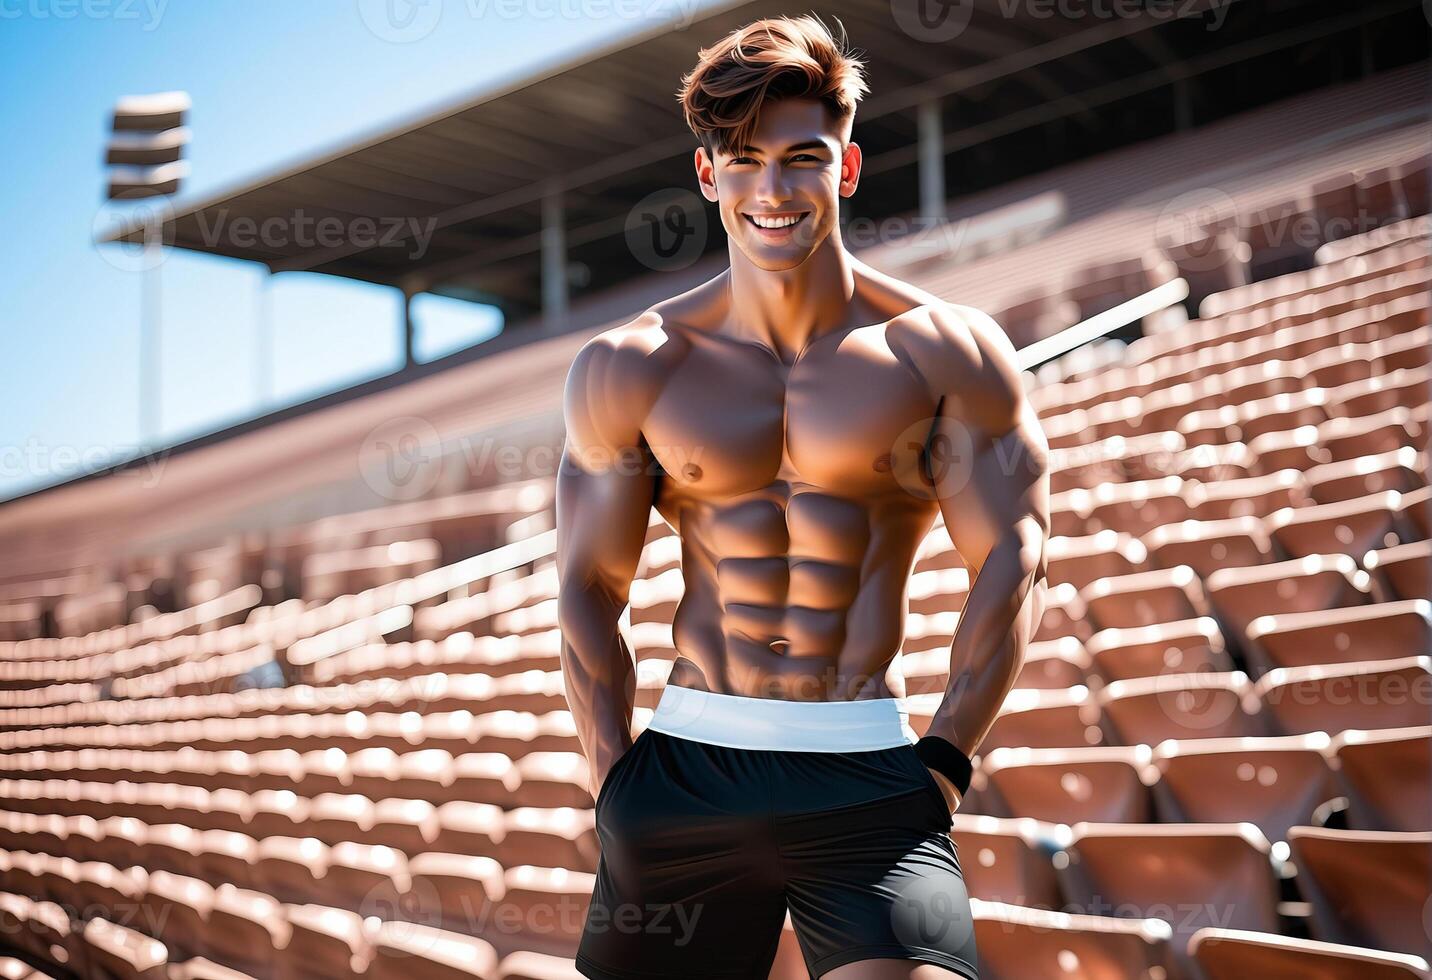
column 945, row 758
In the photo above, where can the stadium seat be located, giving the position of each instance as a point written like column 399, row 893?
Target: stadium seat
column 470, row 828
column 402, row 950
column 292, row 868
column 1008, row 860
column 1226, row 497
column 1045, row 719
column 1070, row 785
column 1210, row 546
column 1080, row 560
column 1018, row 943
column 113, row 952
column 454, row 891
column 1367, row 888
column 1193, row 874
column 1360, row 633
column 1238, row 954
column 561, row 838
column 366, row 878
column 1145, row 598
column 1401, row 572
column 326, row 943
column 246, row 930
column 1387, row 775
column 1049, row 665
column 1299, row 585
column 1274, row 782
column 527, row 965
column 1351, row 527
column 1174, row 706
column 1187, row 646
column 1393, row 693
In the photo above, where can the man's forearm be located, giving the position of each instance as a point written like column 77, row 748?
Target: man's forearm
column 599, row 676
column 1000, row 616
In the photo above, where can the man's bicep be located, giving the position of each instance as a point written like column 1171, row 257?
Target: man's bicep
column 606, row 482
column 988, row 453
column 989, row 485
column 602, row 519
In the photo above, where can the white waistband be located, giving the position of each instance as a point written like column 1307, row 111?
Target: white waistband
column 789, row 726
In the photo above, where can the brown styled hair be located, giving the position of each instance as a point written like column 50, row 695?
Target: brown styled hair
column 773, row 58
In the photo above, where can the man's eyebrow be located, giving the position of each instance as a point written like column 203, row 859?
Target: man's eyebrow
column 807, row 145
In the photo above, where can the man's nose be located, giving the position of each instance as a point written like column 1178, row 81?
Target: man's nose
column 773, row 189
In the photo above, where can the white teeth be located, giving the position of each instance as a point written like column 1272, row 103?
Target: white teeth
column 764, row 222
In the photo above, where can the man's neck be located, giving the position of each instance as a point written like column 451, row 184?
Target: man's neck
column 786, row 310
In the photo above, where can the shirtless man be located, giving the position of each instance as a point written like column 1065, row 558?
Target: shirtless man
column 799, row 421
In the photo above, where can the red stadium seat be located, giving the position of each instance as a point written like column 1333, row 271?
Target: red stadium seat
column 1387, row 775
column 1191, row 874
column 1185, row 647
column 527, row 965
column 1008, row 860
column 292, row 868
column 1335, row 697
column 1044, row 720
column 1018, row 943
column 456, row 892
column 1382, row 631
column 1210, row 546
column 1403, row 571
column 1273, row 782
column 326, row 943
column 1349, row 527
column 113, row 952
column 1208, row 705
column 1300, row 585
column 1237, row 954
column 1145, row 598
column 405, row 950
column 1368, row 888
column 1071, row 785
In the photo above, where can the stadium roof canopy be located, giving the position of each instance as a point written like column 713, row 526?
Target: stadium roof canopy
column 456, row 202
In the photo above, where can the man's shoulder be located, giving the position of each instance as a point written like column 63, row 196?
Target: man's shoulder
column 961, row 352
column 624, row 354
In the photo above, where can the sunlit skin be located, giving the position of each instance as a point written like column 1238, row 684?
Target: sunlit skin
column 799, row 420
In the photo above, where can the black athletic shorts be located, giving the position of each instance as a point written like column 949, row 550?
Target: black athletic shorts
column 704, row 847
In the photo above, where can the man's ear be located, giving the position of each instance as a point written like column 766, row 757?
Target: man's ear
column 850, row 162
column 705, row 174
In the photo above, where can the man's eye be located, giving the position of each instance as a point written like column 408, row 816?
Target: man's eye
column 735, row 160
column 806, row 156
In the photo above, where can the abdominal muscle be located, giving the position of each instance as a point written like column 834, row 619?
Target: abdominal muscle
column 792, row 627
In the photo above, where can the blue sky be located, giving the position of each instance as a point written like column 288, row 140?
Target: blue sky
column 273, row 82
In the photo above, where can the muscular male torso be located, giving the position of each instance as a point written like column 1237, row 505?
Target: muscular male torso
column 796, row 482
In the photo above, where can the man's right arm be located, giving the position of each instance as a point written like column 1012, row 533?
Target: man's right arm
column 605, row 490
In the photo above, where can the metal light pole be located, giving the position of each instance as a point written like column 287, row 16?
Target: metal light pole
column 145, row 154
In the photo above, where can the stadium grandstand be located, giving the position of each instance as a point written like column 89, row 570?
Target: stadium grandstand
column 285, row 702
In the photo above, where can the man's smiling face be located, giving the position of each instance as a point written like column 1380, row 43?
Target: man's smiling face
column 780, row 194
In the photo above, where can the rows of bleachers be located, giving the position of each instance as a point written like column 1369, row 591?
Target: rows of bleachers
column 1216, row 757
